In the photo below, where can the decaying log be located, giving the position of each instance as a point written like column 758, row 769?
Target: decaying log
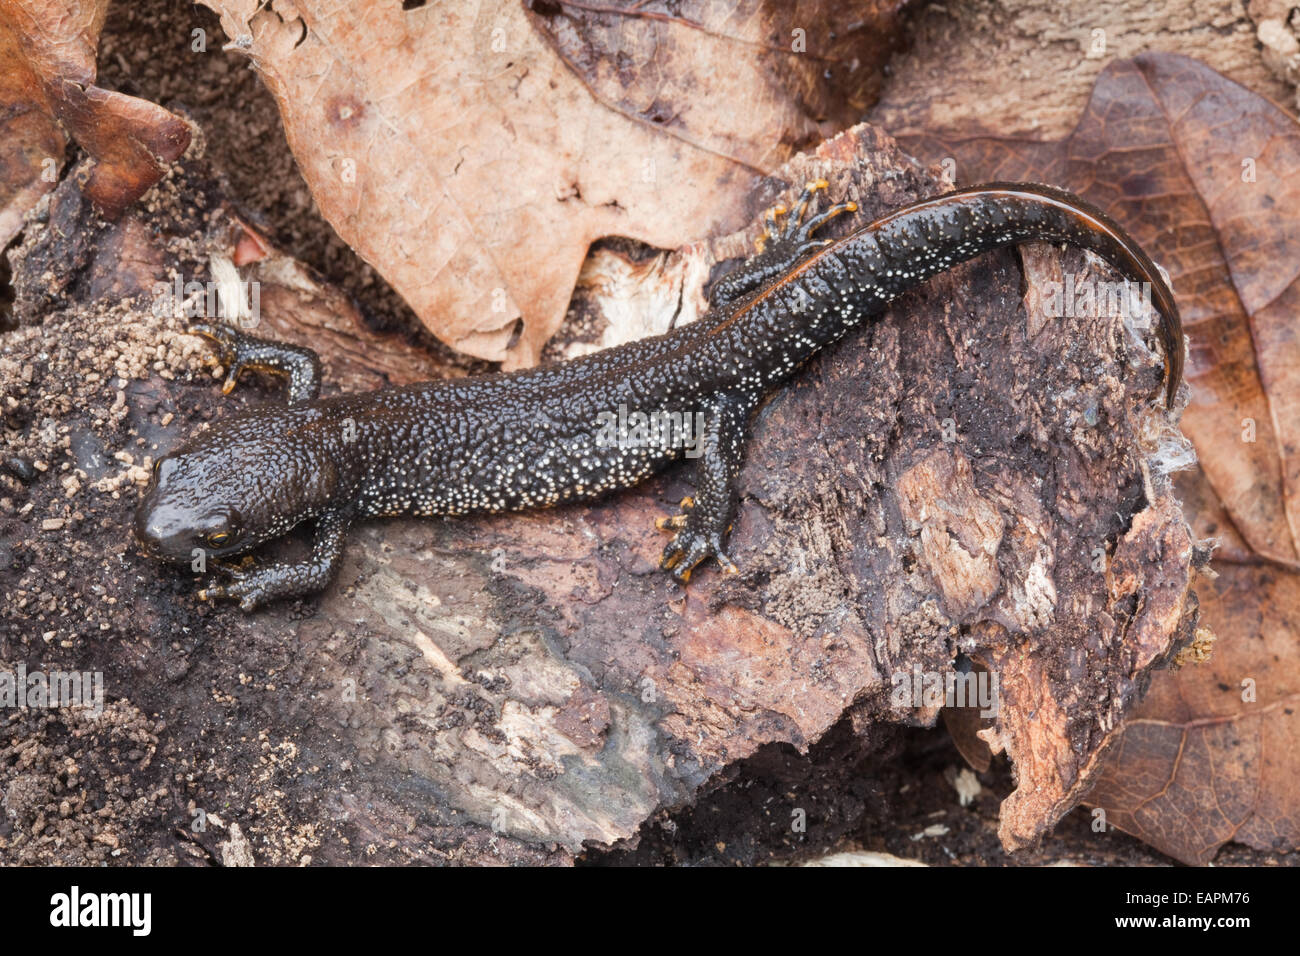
column 966, row 479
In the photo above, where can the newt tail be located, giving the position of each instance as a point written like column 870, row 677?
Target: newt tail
column 557, row 434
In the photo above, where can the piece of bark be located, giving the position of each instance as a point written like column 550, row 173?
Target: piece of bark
column 296, row 305
column 1049, row 54
column 1213, row 200
column 1211, row 755
column 519, row 686
column 1277, row 28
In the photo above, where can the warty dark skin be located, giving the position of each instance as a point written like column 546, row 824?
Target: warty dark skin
column 537, row 438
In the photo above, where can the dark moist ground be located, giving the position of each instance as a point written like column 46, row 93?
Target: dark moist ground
column 901, row 801
column 121, row 789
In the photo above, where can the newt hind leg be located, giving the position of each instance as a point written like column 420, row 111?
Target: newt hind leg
column 692, row 542
column 782, row 245
column 701, row 530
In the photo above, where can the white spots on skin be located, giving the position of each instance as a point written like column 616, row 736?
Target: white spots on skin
column 501, row 443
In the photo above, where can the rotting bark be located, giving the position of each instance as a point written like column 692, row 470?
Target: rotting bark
column 941, row 482
column 1220, row 735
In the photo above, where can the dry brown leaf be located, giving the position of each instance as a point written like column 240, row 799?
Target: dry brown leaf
column 49, row 54
column 472, row 152
column 1211, row 754
column 31, row 143
column 1204, row 173
column 659, row 64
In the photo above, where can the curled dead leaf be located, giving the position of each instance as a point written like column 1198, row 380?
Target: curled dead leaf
column 473, row 152
column 48, row 48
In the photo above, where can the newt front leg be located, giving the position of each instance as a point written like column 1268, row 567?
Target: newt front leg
column 238, row 352
column 256, row 586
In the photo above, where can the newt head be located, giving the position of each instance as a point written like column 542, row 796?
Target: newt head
column 182, row 510
column 228, row 489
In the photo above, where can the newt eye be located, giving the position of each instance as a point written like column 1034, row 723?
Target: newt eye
column 219, row 539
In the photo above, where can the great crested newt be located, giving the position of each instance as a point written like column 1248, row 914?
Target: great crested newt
column 541, row 437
